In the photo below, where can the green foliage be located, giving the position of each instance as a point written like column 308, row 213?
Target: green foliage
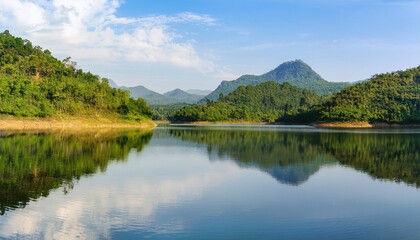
column 166, row 112
column 266, row 102
column 34, row 83
column 389, row 98
column 296, row 73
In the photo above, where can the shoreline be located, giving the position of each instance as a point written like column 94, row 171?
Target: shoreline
column 19, row 124
column 363, row 125
column 317, row 125
column 224, row 122
column 75, row 123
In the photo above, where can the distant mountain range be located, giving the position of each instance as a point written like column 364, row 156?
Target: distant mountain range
column 296, row 73
column 169, row 98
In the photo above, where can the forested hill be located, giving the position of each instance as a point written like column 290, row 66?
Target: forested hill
column 389, row 98
column 265, row 102
column 34, row 83
column 296, row 73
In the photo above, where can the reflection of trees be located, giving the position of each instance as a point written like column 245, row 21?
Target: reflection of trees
column 385, row 156
column 292, row 157
column 33, row 164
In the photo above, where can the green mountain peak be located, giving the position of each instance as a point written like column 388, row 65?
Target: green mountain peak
column 296, row 73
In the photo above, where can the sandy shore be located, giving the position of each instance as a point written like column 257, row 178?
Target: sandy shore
column 76, row 124
column 363, row 125
column 344, row 125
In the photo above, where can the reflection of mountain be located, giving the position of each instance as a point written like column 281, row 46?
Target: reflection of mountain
column 293, row 156
column 295, row 174
column 31, row 165
column 289, row 157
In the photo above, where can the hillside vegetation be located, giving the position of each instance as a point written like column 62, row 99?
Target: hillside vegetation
column 34, row 83
column 265, row 102
column 385, row 98
column 388, row 98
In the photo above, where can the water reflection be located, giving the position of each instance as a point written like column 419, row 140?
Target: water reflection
column 32, row 164
column 292, row 157
column 124, row 202
column 186, row 184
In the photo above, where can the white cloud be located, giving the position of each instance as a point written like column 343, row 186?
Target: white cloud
column 90, row 30
column 25, row 15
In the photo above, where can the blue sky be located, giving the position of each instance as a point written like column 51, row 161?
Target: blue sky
column 166, row 44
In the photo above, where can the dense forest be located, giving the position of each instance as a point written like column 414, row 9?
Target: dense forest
column 265, row 102
column 385, row 98
column 166, row 112
column 389, row 98
column 34, row 83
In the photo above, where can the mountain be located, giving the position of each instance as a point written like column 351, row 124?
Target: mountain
column 112, row 84
column 296, row 73
column 151, row 97
column 33, row 83
column 386, row 98
column 199, row 92
column 265, row 102
column 182, row 96
column 175, row 96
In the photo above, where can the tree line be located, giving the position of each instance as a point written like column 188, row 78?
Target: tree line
column 265, row 102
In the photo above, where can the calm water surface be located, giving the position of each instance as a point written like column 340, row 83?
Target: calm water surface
column 211, row 182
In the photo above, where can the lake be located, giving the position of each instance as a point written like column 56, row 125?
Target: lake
column 211, row 182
